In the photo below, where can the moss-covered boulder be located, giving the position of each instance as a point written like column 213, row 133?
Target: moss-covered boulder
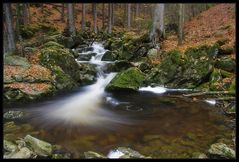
column 168, row 70
column 226, row 63
column 118, row 66
column 110, row 56
column 221, row 150
column 16, row 61
column 130, row 79
column 62, row 80
column 55, row 56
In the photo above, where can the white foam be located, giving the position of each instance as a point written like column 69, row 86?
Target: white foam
column 212, row 102
column 154, row 89
column 115, row 154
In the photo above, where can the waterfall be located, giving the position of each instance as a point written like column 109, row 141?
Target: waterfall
column 85, row 108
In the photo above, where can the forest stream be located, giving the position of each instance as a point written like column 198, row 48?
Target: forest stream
column 156, row 121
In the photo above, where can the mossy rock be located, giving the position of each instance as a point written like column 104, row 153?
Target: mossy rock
column 110, row 56
column 119, row 66
column 55, row 56
column 51, row 43
column 16, row 61
column 226, row 63
column 62, row 80
column 130, row 79
column 201, row 51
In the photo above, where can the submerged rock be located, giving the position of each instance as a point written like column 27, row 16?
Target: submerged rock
column 13, row 114
column 9, row 146
column 94, row 155
column 125, row 153
column 40, row 147
column 130, row 79
column 23, row 153
column 221, row 150
column 198, row 155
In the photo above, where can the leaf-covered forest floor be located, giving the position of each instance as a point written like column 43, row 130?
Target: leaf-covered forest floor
column 216, row 23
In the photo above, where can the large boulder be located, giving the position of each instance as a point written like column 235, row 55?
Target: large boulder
column 56, row 56
column 118, row 66
column 40, row 147
column 16, row 61
column 184, row 71
column 221, row 150
column 130, row 79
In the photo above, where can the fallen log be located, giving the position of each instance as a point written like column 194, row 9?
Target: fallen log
column 210, row 93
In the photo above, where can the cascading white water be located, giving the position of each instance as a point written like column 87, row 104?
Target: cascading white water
column 85, row 108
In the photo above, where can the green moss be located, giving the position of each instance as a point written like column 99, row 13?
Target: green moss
column 130, row 79
column 51, row 43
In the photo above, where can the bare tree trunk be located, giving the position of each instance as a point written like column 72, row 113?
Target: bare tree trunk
column 103, row 16
column 83, row 17
column 137, row 10
column 25, row 15
column 129, row 16
column 95, row 17
column 181, row 24
column 9, row 27
column 158, row 24
column 71, row 19
column 110, row 18
column 113, row 17
column 18, row 21
column 63, row 13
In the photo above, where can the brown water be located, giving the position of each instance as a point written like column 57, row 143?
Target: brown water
column 155, row 125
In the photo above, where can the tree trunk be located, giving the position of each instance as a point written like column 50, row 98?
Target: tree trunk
column 181, row 24
column 63, row 13
column 137, row 10
column 83, row 17
column 113, row 17
column 103, row 16
column 157, row 32
column 18, row 21
column 72, row 29
column 9, row 27
column 25, row 15
column 95, row 17
column 129, row 16
column 110, row 18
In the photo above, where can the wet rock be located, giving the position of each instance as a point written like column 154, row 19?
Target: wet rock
column 40, row 147
column 144, row 67
column 130, row 79
column 110, row 56
column 120, row 65
column 87, row 73
column 198, row 155
column 16, row 60
column 221, row 150
column 152, row 53
column 125, row 153
column 23, row 153
column 85, row 57
column 13, row 114
column 94, row 155
column 60, row 156
column 9, row 146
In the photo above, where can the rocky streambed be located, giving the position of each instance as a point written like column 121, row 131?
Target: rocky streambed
column 144, row 110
